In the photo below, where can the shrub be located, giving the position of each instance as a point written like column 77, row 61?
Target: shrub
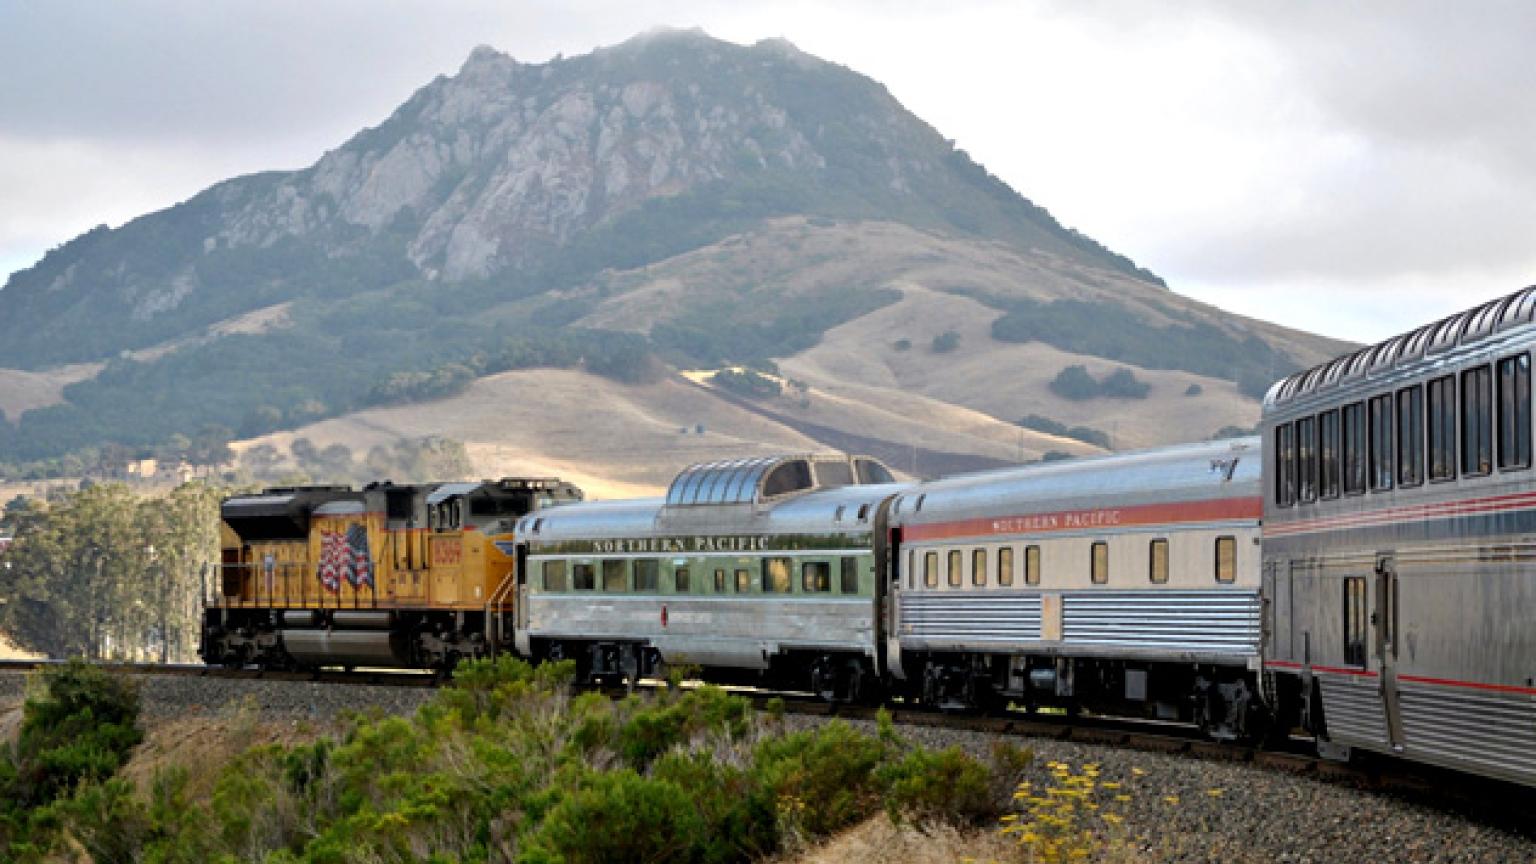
column 937, row 786
column 1085, row 434
column 1193, row 390
column 819, row 781
column 80, row 728
column 946, row 342
column 617, row 816
column 1075, row 383
column 1122, row 384
column 1233, row 432
column 746, row 382
column 902, row 345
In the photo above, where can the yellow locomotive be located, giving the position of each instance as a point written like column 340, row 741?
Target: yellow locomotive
column 390, row 575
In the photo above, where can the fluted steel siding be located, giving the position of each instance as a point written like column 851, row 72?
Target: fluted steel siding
column 969, row 617
column 1489, row 732
column 1353, row 710
column 1184, row 621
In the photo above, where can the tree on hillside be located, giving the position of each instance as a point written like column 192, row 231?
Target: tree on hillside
column 1075, row 383
column 210, row 448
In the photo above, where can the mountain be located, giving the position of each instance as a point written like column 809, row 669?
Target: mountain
column 675, row 201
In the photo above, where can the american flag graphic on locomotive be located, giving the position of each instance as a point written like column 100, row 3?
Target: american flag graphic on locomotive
column 345, row 556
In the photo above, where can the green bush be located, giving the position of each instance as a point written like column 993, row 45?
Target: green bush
column 615, row 817
column 505, row 764
column 1075, row 383
column 819, row 781
column 78, row 727
column 1086, row 434
column 947, row 785
column 946, row 342
column 746, row 383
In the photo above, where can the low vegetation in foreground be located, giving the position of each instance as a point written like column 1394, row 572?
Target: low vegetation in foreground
column 508, row 763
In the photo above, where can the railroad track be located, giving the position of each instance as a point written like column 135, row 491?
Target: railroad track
column 1502, row 802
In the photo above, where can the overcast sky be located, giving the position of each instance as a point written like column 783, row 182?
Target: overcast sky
column 1353, row 169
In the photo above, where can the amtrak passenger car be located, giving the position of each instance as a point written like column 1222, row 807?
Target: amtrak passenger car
column 760, row 569
column 1123, row 583
column 1400, row 543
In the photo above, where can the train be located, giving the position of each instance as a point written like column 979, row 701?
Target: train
column 1358, row 569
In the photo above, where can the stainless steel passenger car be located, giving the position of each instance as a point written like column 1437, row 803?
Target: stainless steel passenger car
column 758, row 569
column 1128, row 582
column 1400, row 536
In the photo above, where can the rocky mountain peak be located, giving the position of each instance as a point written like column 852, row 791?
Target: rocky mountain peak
column 509, row 170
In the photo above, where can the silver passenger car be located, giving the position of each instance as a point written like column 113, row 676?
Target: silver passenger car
column 1399, row 541
column 762, row 569
column 1129, row 581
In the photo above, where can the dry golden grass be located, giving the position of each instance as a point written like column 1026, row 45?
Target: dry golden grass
column 202, row 744
column 878, row 841
column 22, row 391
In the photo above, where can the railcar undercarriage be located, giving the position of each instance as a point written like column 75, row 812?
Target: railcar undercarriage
column 833, row 676
column 1224, row 701
column 311, row 638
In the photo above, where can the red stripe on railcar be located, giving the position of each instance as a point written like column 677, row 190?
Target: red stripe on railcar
column 1469, row 685
column 1407, row 514
column 1215, row 510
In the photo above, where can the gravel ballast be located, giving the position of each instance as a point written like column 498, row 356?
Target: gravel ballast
column 1181, row 809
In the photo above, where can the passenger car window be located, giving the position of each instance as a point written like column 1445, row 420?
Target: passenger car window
column 1442, row 428
column 682, row 580
column 1477, row 421
column 720, row 580
column 776, row 579
column 1306, row 459
column 1381, row 442
column 1354, row 448
column 1410, row 436
column 1098, row 562
column 743, row 581
column 1356, row 618
column 554, row 575
column 615, row 576
column 584, row 577
column 1515, row 412
column 1226, row 559
column 1328, row 454
column 815, row 577
column 954, row 560
column 978, row 567
column 849, row 575
column 1031, row 565
column 931, row 569
column 1157, row 566
column 1005, row 566
column 646, row 570
column 1285, row 465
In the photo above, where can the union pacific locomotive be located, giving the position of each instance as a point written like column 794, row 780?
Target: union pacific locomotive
column 409, row 575
column 1361, row 570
